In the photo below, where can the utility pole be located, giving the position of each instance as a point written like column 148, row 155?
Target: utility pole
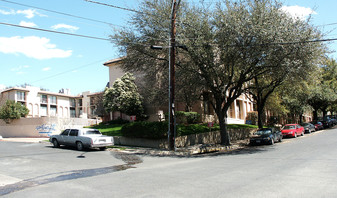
column 171, row 132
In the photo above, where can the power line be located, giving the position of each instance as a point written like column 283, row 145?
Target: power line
column 106, row 39
column 70, row 34
column 61, row 73
column 61, row 13
column 113, row 6
column 52, row 31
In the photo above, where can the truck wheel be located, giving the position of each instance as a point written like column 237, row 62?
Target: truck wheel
column 55, row 143
column 79, row 146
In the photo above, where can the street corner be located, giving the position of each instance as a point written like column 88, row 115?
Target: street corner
column 26, row 140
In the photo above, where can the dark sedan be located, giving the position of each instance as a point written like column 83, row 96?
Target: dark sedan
column 266, row 136
column 308, row 127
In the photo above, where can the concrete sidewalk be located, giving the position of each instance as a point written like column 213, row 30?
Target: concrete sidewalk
column 21, row 139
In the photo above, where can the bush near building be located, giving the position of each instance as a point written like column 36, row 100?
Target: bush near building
column 13, row 110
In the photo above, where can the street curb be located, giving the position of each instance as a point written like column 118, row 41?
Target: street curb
column 180, row 152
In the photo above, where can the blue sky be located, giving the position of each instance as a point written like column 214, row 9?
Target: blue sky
column 55, row 61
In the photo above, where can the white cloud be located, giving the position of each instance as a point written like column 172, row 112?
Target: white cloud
column 46, row 69
column 4, row 12
column 2, row 87
column 29, row 13
column 298, row 12
column 33, row 47
column 65, row 26
column 20, row 70
column 27, row 24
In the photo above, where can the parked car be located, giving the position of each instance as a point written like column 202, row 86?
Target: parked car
column 318, row 125
column 266, row 136
column 292, row 130
column 82, row 138
column 308, row 127
column 326, row 121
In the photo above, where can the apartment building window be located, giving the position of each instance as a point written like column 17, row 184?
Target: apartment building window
column 53, row 110
column 44, row 99
column 52, row 99
column 21, row 96
column 80, row 102
column 43, row 110
column 72, row 102
column 93, row 111
column 72, row 112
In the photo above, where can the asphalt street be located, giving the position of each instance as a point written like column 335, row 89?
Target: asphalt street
column 301, row 167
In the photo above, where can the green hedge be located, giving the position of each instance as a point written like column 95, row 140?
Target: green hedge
column 151, row 130
column 187, row 117
column 158, row 130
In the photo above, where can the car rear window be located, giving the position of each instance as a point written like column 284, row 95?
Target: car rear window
column 92, row 132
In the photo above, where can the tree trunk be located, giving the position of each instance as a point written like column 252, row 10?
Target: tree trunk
column 324, row 113
column 225, row 139
column 315, row 114
column 260, row 116
column 301, row 120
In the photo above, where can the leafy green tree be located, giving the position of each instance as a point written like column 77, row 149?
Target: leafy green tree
column 323, row 94
column 228, row 46
column 123, row 96
column 13, row 110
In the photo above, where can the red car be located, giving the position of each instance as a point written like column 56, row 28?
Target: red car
column 318, row 125
column 292, row 130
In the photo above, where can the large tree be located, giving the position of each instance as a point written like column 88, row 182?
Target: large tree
column 228, row 46
column 123, row 96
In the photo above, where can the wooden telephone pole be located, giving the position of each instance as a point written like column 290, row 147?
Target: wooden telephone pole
column 171, row 132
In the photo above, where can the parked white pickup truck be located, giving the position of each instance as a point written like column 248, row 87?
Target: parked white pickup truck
column 81, row 138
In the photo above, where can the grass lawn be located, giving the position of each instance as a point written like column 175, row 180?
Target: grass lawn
column 110, row 130
column 242, row 126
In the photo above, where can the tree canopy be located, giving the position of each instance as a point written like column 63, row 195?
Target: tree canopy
column 123, row 96
column 13, row 110
column 228, row 46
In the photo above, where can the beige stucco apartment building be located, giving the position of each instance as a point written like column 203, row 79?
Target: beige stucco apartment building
column 236, row 115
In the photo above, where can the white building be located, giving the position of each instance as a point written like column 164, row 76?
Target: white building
column 48, row 104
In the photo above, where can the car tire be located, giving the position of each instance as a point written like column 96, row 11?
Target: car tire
column 272, row 141
column 295, row 136
column 79, row 146
column 55, row 143
column 302, row 134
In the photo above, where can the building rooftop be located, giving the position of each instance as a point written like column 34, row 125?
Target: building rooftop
column 113, row 61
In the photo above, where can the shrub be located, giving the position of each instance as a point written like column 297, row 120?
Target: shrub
column 151, row 130
column 13, row 110
column 252, row 117
column 187, row 117
column 118, row 121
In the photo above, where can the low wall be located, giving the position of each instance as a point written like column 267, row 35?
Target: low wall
column 184, row 141
column 41, row 127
